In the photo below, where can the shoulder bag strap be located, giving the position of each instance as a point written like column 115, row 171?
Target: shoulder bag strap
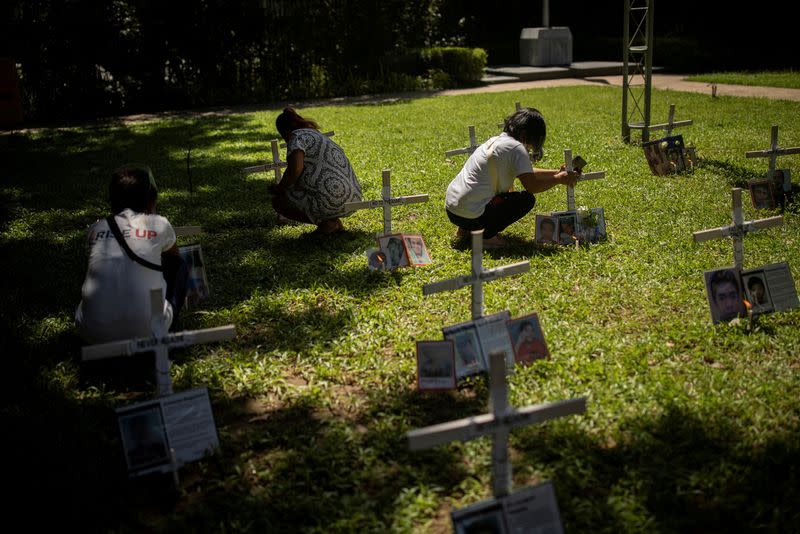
column 112, row 223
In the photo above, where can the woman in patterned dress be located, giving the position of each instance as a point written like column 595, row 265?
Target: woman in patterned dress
column 318, row 179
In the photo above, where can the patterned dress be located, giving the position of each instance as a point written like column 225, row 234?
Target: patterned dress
column 327, row 181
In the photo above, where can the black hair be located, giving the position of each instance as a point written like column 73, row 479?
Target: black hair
column 527, row 126
column 289, row 120
column 548, row 221
column 725, row 276
column 132, row 186
column 753, row 281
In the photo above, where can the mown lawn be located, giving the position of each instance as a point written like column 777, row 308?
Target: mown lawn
column 689, row 427
column 782, row 78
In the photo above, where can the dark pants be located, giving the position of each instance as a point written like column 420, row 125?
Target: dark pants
column 500, row 212
column 176, row 274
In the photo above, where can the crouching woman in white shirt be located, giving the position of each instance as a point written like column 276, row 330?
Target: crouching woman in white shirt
column 115, row 297
column 481, row 197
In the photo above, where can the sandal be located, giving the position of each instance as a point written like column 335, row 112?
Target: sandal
column 329, row 227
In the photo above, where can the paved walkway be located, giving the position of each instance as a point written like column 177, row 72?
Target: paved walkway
column 674, row 82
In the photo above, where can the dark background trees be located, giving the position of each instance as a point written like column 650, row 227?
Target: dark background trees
column 100, row 57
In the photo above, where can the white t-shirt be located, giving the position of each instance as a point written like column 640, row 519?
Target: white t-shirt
column 115, row 297
column 473, row 187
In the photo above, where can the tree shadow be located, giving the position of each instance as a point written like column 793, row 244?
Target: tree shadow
column 737, row 175
column 690, row 474
column 300, row 466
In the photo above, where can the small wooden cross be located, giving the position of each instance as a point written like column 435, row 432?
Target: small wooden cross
column 517, row 107
column 473, row 144
column 582, row 178
column 501, row 419
column 386, row 202
column 277, row 164
column 773, row 151
column 738, row 229
column 478, row 276
column 160, row 343
column 670, row 125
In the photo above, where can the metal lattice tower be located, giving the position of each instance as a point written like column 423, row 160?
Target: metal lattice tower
column 637, row 57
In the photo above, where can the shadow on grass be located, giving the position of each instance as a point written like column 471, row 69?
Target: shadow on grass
column 737, row 175
column 301, row 464
column 676, row 471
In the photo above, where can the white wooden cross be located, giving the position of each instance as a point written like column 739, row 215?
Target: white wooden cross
column 473, row 144
column 773, row 151
column 671, row 123
column 501, row 419
column 478, row 276
column 738, row 229
column 277, row 164
column 582, row 178
column 386, row 202
column 517, row 107
column 160, row 343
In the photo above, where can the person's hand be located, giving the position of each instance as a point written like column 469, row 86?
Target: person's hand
column 568, row 177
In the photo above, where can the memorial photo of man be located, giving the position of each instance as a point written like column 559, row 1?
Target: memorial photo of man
column 724, row 295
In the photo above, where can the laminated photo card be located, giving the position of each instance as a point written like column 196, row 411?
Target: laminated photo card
column 766, row 289
column 376, row 259
column 590, row 225
column 152, row 431
column 197, row 283
column 475, row 340
column 394, row 249
column 781, row 181
column 770, row 288
column 399, row 250
column 416, row 251
column 583, row 225
column 668, row 155
column 483, row 517
column 527, row 339
column 567, row 227
column 533, row 509
column 546, row 230
column 724, row 292
column 763, row 194
column 435, row 365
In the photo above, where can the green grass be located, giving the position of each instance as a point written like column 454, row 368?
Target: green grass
column 689, row 427
column 783, row 78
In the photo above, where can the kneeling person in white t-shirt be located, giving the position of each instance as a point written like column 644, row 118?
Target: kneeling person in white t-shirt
column 480, row 196
column 115, row 297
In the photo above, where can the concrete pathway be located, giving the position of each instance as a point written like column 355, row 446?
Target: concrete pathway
column 674, row 82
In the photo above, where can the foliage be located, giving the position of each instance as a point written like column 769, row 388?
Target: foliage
column 87, row 57
column 689, row 427
column 454, row 65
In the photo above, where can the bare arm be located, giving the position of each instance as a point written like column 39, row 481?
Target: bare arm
column 295, row 163
column 543, row 179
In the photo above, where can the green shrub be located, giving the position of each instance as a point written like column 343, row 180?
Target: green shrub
column 461, row 64
column 452, row 64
